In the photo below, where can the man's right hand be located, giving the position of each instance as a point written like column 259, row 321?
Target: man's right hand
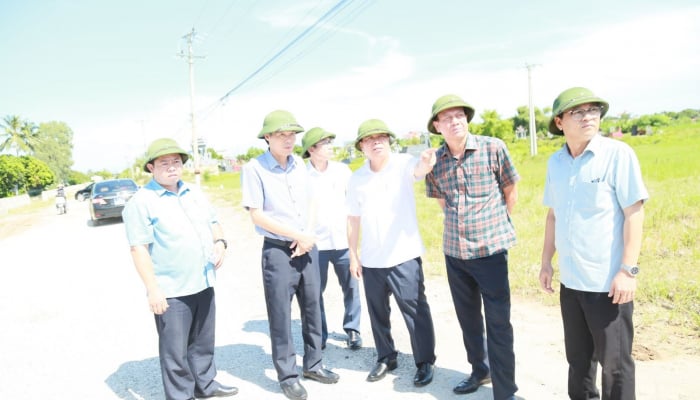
column 302, row 245
column 546, row 273
column 355, row 269
column 157, row 301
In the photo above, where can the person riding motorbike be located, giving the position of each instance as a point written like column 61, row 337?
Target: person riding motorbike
column 61, row 200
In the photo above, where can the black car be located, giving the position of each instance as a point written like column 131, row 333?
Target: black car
column 108, row 198
column 84, row 193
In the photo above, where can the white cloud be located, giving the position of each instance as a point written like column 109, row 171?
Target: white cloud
column 655, row 56
column 644, row 65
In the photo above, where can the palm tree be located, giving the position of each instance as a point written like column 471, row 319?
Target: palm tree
column 18, row 135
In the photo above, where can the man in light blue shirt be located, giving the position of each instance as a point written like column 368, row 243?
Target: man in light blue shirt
column 275, row 189
column 595, row 194
column 176, row 245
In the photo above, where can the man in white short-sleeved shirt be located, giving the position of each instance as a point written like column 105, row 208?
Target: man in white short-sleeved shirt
column 381, row 203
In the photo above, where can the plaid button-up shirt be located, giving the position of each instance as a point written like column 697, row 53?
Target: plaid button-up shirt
column 477, row 223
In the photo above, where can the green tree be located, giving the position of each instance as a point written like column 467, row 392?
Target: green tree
column 104, row 174
column 11, row 175
column 55, row 148
column 214, row 155
column 38, row 175
column 23, row 174
column 76, row 177
column 494, row 126
column 655, row 120
column 436, row 140
column 252, row 153
column 522, row 118
column 20, row 136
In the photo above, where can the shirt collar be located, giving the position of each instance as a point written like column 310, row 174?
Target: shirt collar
column 471, row 144
column 593, row 146
column 270, row 163
column 161, row 191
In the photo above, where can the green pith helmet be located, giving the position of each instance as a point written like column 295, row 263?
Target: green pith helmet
column 161, row 147
column 313, row 136
column 571, row 98
column 372, row 127
column 445, row 102
column 279, row 121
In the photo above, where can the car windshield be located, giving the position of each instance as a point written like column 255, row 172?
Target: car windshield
column 115, row 187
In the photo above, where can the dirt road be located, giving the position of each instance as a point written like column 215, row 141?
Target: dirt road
column 76, row 326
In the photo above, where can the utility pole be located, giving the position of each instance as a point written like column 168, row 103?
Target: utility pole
column 533, row 132
column 190, row 60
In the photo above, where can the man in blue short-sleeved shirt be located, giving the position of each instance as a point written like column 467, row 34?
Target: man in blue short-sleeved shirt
column 275, row 189
column 595, row 194
column 176, row 245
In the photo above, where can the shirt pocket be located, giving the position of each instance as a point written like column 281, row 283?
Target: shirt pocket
column 480, row 184
column 594, row 197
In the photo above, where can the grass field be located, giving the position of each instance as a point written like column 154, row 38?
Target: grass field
column 669, row 284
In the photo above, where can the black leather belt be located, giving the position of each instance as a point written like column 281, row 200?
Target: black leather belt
column 278, row 242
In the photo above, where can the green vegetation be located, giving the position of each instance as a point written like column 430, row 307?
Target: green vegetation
column 37, row 156
column 669, row 285
column 23, row 175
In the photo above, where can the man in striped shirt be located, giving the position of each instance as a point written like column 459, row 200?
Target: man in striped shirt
column 474, row 181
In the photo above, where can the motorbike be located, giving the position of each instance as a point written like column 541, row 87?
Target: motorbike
column 61, row 205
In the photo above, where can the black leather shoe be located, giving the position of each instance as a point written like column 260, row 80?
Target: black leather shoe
column 354, row 340
column 221, row 391
column 471, row 385
column 381, row 368
column 424, row 375
column 322, row 375
column 294, row 390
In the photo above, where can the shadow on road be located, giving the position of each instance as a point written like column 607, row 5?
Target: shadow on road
column 136, row 380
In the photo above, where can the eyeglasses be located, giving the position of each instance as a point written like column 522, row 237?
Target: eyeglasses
column 323, row 142
column 577, row 115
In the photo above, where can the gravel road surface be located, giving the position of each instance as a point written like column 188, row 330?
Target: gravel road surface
column 76, row 325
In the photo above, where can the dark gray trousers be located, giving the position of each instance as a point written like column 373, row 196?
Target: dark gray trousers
column 349, row 285
column 283, row 278
column 405, row 282
column 472, row 281
column 598, row 331
column 186, row 345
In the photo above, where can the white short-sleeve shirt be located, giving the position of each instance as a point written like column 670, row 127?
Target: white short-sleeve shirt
column 386, row 205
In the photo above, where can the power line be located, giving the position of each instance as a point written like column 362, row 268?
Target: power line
column 328, row 16
column 320, row 40
column 284, row 49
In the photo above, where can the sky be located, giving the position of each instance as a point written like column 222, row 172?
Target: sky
column 117, row 72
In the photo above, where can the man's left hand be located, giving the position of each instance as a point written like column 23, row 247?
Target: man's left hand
column 622, row 288
column 219, row 253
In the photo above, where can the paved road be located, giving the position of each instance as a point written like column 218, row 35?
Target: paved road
column 76, row 326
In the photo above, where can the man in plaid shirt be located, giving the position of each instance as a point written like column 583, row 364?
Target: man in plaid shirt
column 474, row 181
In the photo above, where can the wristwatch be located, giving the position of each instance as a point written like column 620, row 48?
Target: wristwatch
column 631, row 269
column 222, row 241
